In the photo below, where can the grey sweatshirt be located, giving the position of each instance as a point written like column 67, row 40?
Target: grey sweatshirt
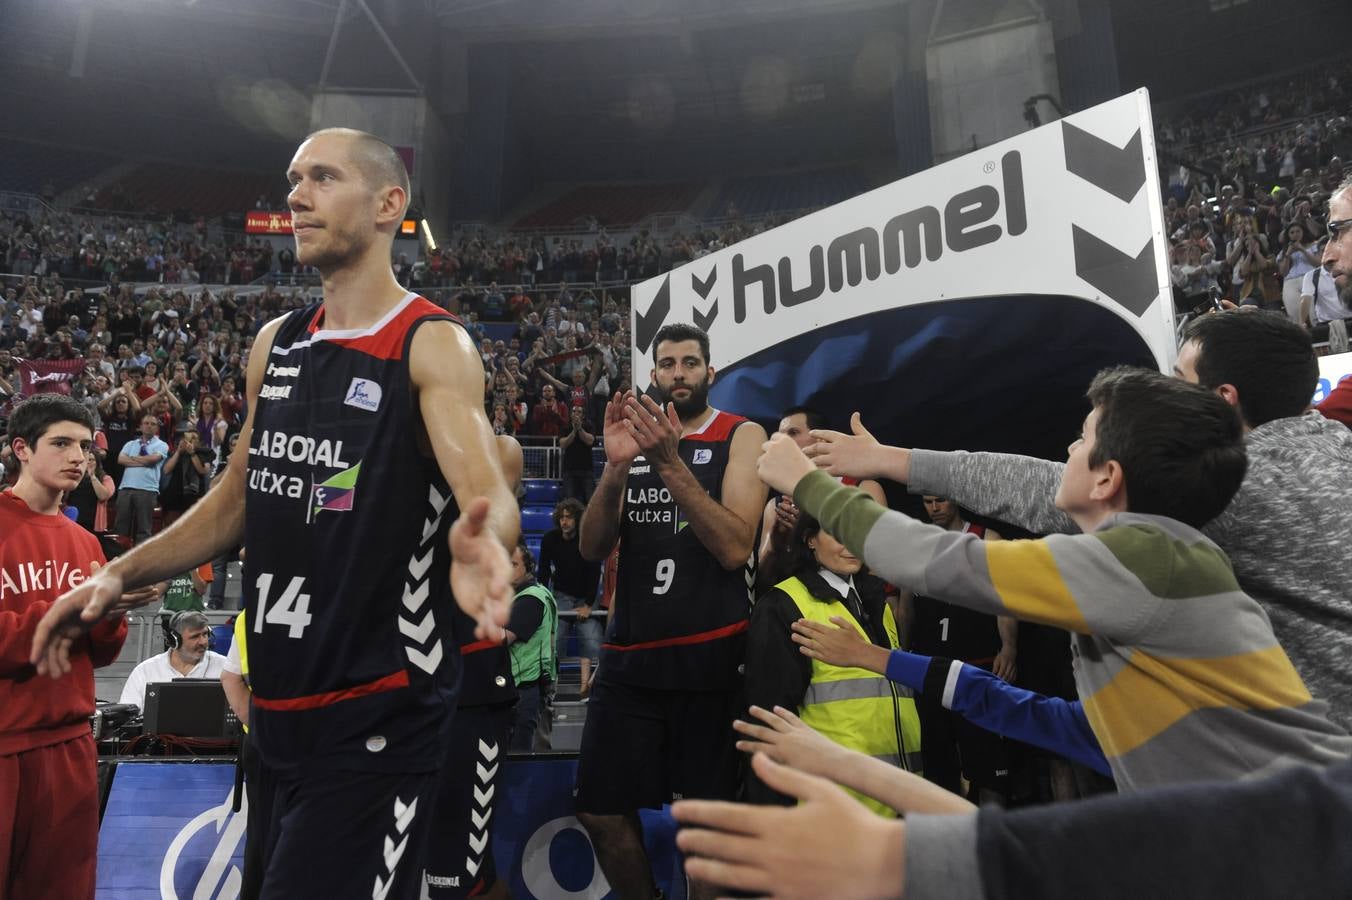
column 1284, row 836
column 1288, row 532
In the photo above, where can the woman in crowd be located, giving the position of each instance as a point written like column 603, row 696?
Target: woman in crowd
column 231, row 403
column 209, row 424
column 121, row 415
column 90, row 497
column 1299, row 256
column 151, row 384
column 185, row 477
column 502, row 420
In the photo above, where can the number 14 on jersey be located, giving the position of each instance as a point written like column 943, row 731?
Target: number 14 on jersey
column 291, row 609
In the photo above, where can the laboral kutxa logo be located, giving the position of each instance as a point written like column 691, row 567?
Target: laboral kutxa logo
column 336, row 493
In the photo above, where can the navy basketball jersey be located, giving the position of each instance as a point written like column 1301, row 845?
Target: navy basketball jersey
column 346, row 580
column 679, row 619
column 955, row 632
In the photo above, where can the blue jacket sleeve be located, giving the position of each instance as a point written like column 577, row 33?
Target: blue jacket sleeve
column 996, row 705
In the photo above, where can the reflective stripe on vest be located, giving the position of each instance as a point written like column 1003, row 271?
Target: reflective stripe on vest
column 854, row 707
column 873, row 687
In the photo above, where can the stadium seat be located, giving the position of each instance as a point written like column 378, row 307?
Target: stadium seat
column 540, row 491
column 537, row 519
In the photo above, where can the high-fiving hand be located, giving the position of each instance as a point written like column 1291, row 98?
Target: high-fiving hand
column 781, row 464
column 481, row 572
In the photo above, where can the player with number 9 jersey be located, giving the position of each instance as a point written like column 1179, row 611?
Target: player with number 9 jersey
column 680, row 618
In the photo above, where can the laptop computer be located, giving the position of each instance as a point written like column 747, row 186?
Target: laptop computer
column 189, row 707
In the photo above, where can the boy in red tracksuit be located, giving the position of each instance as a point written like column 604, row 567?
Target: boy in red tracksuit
column 49, row 799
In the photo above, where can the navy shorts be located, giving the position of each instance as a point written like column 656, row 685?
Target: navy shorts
column 348, row 834
column 460, row 854
column 643, row 747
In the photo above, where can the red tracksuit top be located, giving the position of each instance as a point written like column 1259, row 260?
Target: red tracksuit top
column 41, row 557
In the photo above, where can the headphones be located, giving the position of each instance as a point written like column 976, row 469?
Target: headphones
column 175, row 636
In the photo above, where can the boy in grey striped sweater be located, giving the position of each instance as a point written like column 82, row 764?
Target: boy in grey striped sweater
column 1178, row 669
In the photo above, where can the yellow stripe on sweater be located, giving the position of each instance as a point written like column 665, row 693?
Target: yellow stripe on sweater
column 1025, row 575
column 1151, row 694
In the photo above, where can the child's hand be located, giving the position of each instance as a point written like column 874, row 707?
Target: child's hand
column 782, row 464
column 835, row 645
column 785, row 739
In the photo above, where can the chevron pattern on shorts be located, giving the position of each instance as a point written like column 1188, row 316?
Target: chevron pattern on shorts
column 393, row 852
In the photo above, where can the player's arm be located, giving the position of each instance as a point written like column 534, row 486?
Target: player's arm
column 1005, row 665
column 767, row 530
column 446, row 372
column 211, row 526
column 727, row 529
column 512, row 459
column 874, row 490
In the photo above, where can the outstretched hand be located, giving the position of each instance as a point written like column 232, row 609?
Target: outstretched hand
column 854, row 455
column 782, row 464
column 787, row 740
column 481, row 572
column 838, row 644
column 77, row 611
column 829, row 845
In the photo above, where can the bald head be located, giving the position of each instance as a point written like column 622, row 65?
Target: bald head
column 379, row 163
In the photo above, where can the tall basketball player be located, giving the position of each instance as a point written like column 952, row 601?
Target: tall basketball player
column 365, row 434
column 680, row 496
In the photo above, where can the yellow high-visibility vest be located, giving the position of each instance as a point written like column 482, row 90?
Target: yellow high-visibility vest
column 857, row 708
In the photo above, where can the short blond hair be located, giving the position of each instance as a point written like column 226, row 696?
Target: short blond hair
column 380, row 164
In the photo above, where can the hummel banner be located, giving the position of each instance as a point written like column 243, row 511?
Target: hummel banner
column 1043, row 252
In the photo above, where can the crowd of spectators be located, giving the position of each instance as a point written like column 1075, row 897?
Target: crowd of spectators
column 1271, row 129
column 118, row 249
column 1248, row 174
column 597, row 258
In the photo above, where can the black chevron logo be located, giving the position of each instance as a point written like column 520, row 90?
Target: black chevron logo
column 703, row 322
column 647, row 324
column 1118, row 170
column 704, row 287
column 1128, row 280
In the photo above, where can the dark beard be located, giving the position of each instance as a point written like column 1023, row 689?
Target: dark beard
column 691, row 406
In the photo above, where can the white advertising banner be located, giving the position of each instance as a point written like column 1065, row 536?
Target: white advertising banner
column 1071, row 209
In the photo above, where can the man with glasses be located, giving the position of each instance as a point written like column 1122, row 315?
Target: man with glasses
column 1320, row 306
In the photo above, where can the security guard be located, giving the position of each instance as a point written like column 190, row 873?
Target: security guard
column 853, row 707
